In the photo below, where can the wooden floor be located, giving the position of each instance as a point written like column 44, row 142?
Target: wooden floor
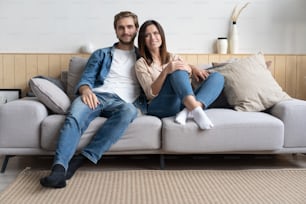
column 186, row 162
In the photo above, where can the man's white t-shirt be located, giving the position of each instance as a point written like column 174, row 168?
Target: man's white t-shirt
column 121, row 78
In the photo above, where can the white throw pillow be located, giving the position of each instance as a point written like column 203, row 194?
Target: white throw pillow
column 250, row 86
column 50, row 95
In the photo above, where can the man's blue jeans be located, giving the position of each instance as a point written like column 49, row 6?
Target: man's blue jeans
column 119, row 113
column 177, row 86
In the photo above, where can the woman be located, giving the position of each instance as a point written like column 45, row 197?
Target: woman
column 165, row 79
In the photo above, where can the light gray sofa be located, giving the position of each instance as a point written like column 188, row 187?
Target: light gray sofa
column 28, row 127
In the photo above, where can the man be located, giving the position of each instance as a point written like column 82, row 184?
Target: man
column 108, row 88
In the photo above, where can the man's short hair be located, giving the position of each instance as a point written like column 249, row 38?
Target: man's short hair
column 125, row 14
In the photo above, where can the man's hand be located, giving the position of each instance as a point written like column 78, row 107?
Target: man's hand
column 88, row 97
column 199, row 74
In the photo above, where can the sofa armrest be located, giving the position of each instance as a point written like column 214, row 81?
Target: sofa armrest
column 293, row 114
column 20, row 123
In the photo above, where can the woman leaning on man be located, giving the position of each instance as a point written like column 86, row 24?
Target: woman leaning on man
column 165, row 79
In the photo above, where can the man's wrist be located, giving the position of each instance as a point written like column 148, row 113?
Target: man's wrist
column 83, row 88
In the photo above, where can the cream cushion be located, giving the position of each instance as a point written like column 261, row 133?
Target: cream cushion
column 250, row 86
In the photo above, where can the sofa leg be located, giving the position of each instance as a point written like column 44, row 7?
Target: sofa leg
column 4, row 163
column 162, row 161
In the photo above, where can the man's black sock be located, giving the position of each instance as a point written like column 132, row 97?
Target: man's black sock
column 75, row 163
column 56, row 179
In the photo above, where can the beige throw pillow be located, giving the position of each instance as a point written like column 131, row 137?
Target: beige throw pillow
column 51, row 95
column 250, row 86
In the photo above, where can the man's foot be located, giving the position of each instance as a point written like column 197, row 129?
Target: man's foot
column 75, row 163
column 56, row 179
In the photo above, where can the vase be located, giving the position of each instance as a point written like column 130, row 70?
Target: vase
column 222, row 45
column 234, row 41
column 88, row 48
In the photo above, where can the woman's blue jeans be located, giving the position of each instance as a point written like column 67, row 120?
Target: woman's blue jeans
column 119, row 113
column 177, row 86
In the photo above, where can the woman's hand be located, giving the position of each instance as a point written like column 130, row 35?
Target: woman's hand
column 88, row 97
column 199, row 74
column 177, row 64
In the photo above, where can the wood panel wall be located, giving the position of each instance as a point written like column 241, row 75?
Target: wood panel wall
column 16, row 69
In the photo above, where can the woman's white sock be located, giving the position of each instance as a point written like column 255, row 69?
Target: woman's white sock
column 201, row 118
column 181, row 117
column 189, row 116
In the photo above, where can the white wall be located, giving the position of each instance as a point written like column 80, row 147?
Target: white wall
column 192, row 26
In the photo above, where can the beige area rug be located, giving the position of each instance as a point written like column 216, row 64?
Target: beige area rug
column 266, row 186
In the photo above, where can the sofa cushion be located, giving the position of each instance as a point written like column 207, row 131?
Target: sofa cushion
column 136, row 138
column 50, row 95
column 250, row 86
column 76, row 68
column 233, row 131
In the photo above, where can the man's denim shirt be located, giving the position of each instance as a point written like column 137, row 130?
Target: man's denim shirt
column 97, row 69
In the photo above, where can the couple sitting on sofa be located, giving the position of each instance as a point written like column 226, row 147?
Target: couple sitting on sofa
column 109, row 87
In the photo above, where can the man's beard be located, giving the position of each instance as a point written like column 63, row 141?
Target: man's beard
column 128, row 42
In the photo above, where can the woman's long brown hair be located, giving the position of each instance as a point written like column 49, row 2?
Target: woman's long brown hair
column 144, row 51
